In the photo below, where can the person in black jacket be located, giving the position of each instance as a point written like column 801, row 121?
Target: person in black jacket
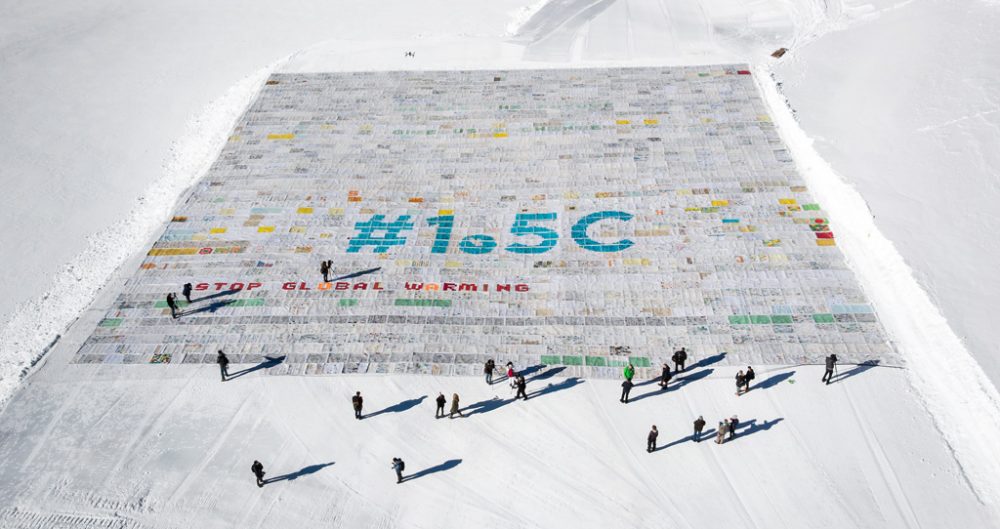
column 399, row 466
column 223, row 362
column 186, row 291
column 258, row 470
column 488, row 370
column 747, row 378
column 626, row 388
column 441, row 401
column 679, row 358
column 172, row 303
column 699, row 425
column 358, row 403
column 665, row 376
column 651, row 440
column 324, row 268
column 831, row 364
column 521, row 385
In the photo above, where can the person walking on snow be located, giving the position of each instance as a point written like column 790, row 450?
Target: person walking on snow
column 324, row 269
column 748, row 378
column 488, row 370
column 831, row 364
column 741, row 380
column 172, row 303
column 679, row 358
column 223, row 362
column 454, row 407
column 358, row 402
column 441, row 400
column 186, row 292
column 720, row 432
column 629, row 372
column 733, row 423
column 521, row 385
column 626, row 388
column 399, row 466
column 651, row 440
column 699, row 425
column 258, row 470
column 665, row 376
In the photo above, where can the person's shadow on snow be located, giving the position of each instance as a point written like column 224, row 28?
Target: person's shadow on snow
column 268, row 363
column 305, row 471
column 397, row 408
column 752, row 426
column 447, row 465
column 855, row 371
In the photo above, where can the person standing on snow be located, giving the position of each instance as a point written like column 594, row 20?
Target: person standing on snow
column 741, row 380
column 747, row 378
column 172, row 303
column 258, row 470
column 679, row 358
column 733, row 423
column 720, row 432
column 441, row 400
column 358, row 402
column 699, row 425
column 831, row 364
column 651, row 440
column 629, row 372
column 454, row 407
column 510, row 372
column 324, row 268
column 626, row 388
column 223, row 362
column 665, row 376
column 521, row 385
column 186, row 292
column 488, row 370
column 399, row 466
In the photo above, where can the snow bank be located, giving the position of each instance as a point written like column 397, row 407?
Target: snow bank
column 38, row 324
column 964, row 404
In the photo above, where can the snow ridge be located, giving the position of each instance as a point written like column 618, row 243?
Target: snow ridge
column 946, row 378
column 37, row 324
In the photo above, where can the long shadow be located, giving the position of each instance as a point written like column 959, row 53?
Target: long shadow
column 397, row 408
column 529, row 370
column 266, row 364
column 213, row 296
column 705, row 434
column 356, row 274
column 707, row 361
column 211, row 307
column 547, row 374
column 773, row 380
column 305, row 471
column 447, row 465
column 856, row 370
column 552, row 388
column 752, row 426
column 485, row 406
column 678, row 383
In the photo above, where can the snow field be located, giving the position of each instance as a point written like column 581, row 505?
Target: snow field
column 853, row 454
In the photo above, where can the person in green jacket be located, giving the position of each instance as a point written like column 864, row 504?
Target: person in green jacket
column 629, row 372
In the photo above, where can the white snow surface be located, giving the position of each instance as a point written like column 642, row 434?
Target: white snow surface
column 111, row 111
column 107, row 446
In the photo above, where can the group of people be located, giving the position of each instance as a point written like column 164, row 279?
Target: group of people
column 726, row 430
column 455, row 406
column 172, row 300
